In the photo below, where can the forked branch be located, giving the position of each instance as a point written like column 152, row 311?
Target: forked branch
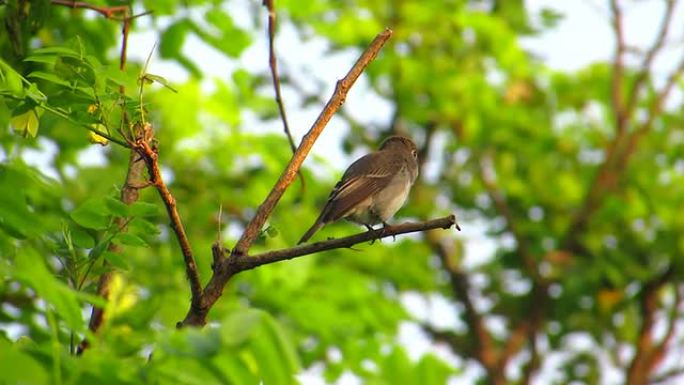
column 224, row 267
column 288, row 175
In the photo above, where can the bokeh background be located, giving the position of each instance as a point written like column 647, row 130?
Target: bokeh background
column 553, row 130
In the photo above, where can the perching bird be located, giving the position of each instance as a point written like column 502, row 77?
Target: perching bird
column 373, row 188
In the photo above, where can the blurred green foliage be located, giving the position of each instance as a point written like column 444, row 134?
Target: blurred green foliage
column 517, row 148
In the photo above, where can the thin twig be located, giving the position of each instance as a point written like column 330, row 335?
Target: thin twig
column 502, row 206
column 647, row 64
column 275, row 76
column 228, row 266
column 273, row 63
column 151, row 160
column 618, row 67
column 654, row 110
column 657, row 354
column 225, row 268
column 288, row 175
column 107, row 12
column 623, row 145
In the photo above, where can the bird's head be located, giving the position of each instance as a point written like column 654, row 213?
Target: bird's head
column 400, row 143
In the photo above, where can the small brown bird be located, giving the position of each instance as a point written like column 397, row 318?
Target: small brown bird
column 373, row 188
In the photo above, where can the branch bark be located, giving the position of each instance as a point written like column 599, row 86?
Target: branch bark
column 107, row 12
column 223, row 268
column 134, row 175
column 648, row 354
column 142, row 146
column 620, row 149
column 288, row 175
column 275, row 77
column 482, row 343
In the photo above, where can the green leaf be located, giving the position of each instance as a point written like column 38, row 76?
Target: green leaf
column 277, row 358
column 143, row 209
column 26, row 124
column 49, row 76
column 57, row 51
column 129, row 239
column 30, row 270
column 116, row 207
column 238, row 327
column 81, row 238
column 99, row 248
column 11, row 79
column 116, row 259
column 18, row 367
column 92, row 214
column 160, row 80
column 142, row 226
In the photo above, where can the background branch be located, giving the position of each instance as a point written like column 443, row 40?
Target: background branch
column 618, row 67
column 620, row 149
column 643, row 363
column 647, row 64
column 107, row 12
column 275, row 77
column 273, row 64
column 134, row 174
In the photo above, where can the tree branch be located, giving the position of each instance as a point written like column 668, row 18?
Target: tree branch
column 623, row 145
column 486, row 170
column 288, row 175
column 225, row 267
column 134, row 175
column 659, row 350
column 275, row 76
column 107, row 12
column 642, row 364
column 129, row 195
column 250, row 262
column 150, row 156
column 483, row 345
column 618, row 67
column 647, row 64
column 273, row 64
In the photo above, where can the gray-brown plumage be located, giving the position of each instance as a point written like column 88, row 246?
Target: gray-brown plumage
column 373, row 188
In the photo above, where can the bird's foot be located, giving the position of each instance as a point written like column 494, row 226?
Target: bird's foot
column 371, row 229
column 386, row 228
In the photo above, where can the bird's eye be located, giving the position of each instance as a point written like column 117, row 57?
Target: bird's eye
column 414, row 153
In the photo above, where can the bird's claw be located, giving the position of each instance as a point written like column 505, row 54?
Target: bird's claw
column 387, row 228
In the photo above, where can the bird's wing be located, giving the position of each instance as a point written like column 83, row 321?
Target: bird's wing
column 365, row 177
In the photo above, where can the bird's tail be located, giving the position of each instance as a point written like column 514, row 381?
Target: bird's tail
column 309, row 233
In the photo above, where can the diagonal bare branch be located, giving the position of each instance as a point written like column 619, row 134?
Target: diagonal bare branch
column 224, row 267
column 149, row 155
column 288, row 175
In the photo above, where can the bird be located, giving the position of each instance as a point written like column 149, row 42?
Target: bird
column 373, row 188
